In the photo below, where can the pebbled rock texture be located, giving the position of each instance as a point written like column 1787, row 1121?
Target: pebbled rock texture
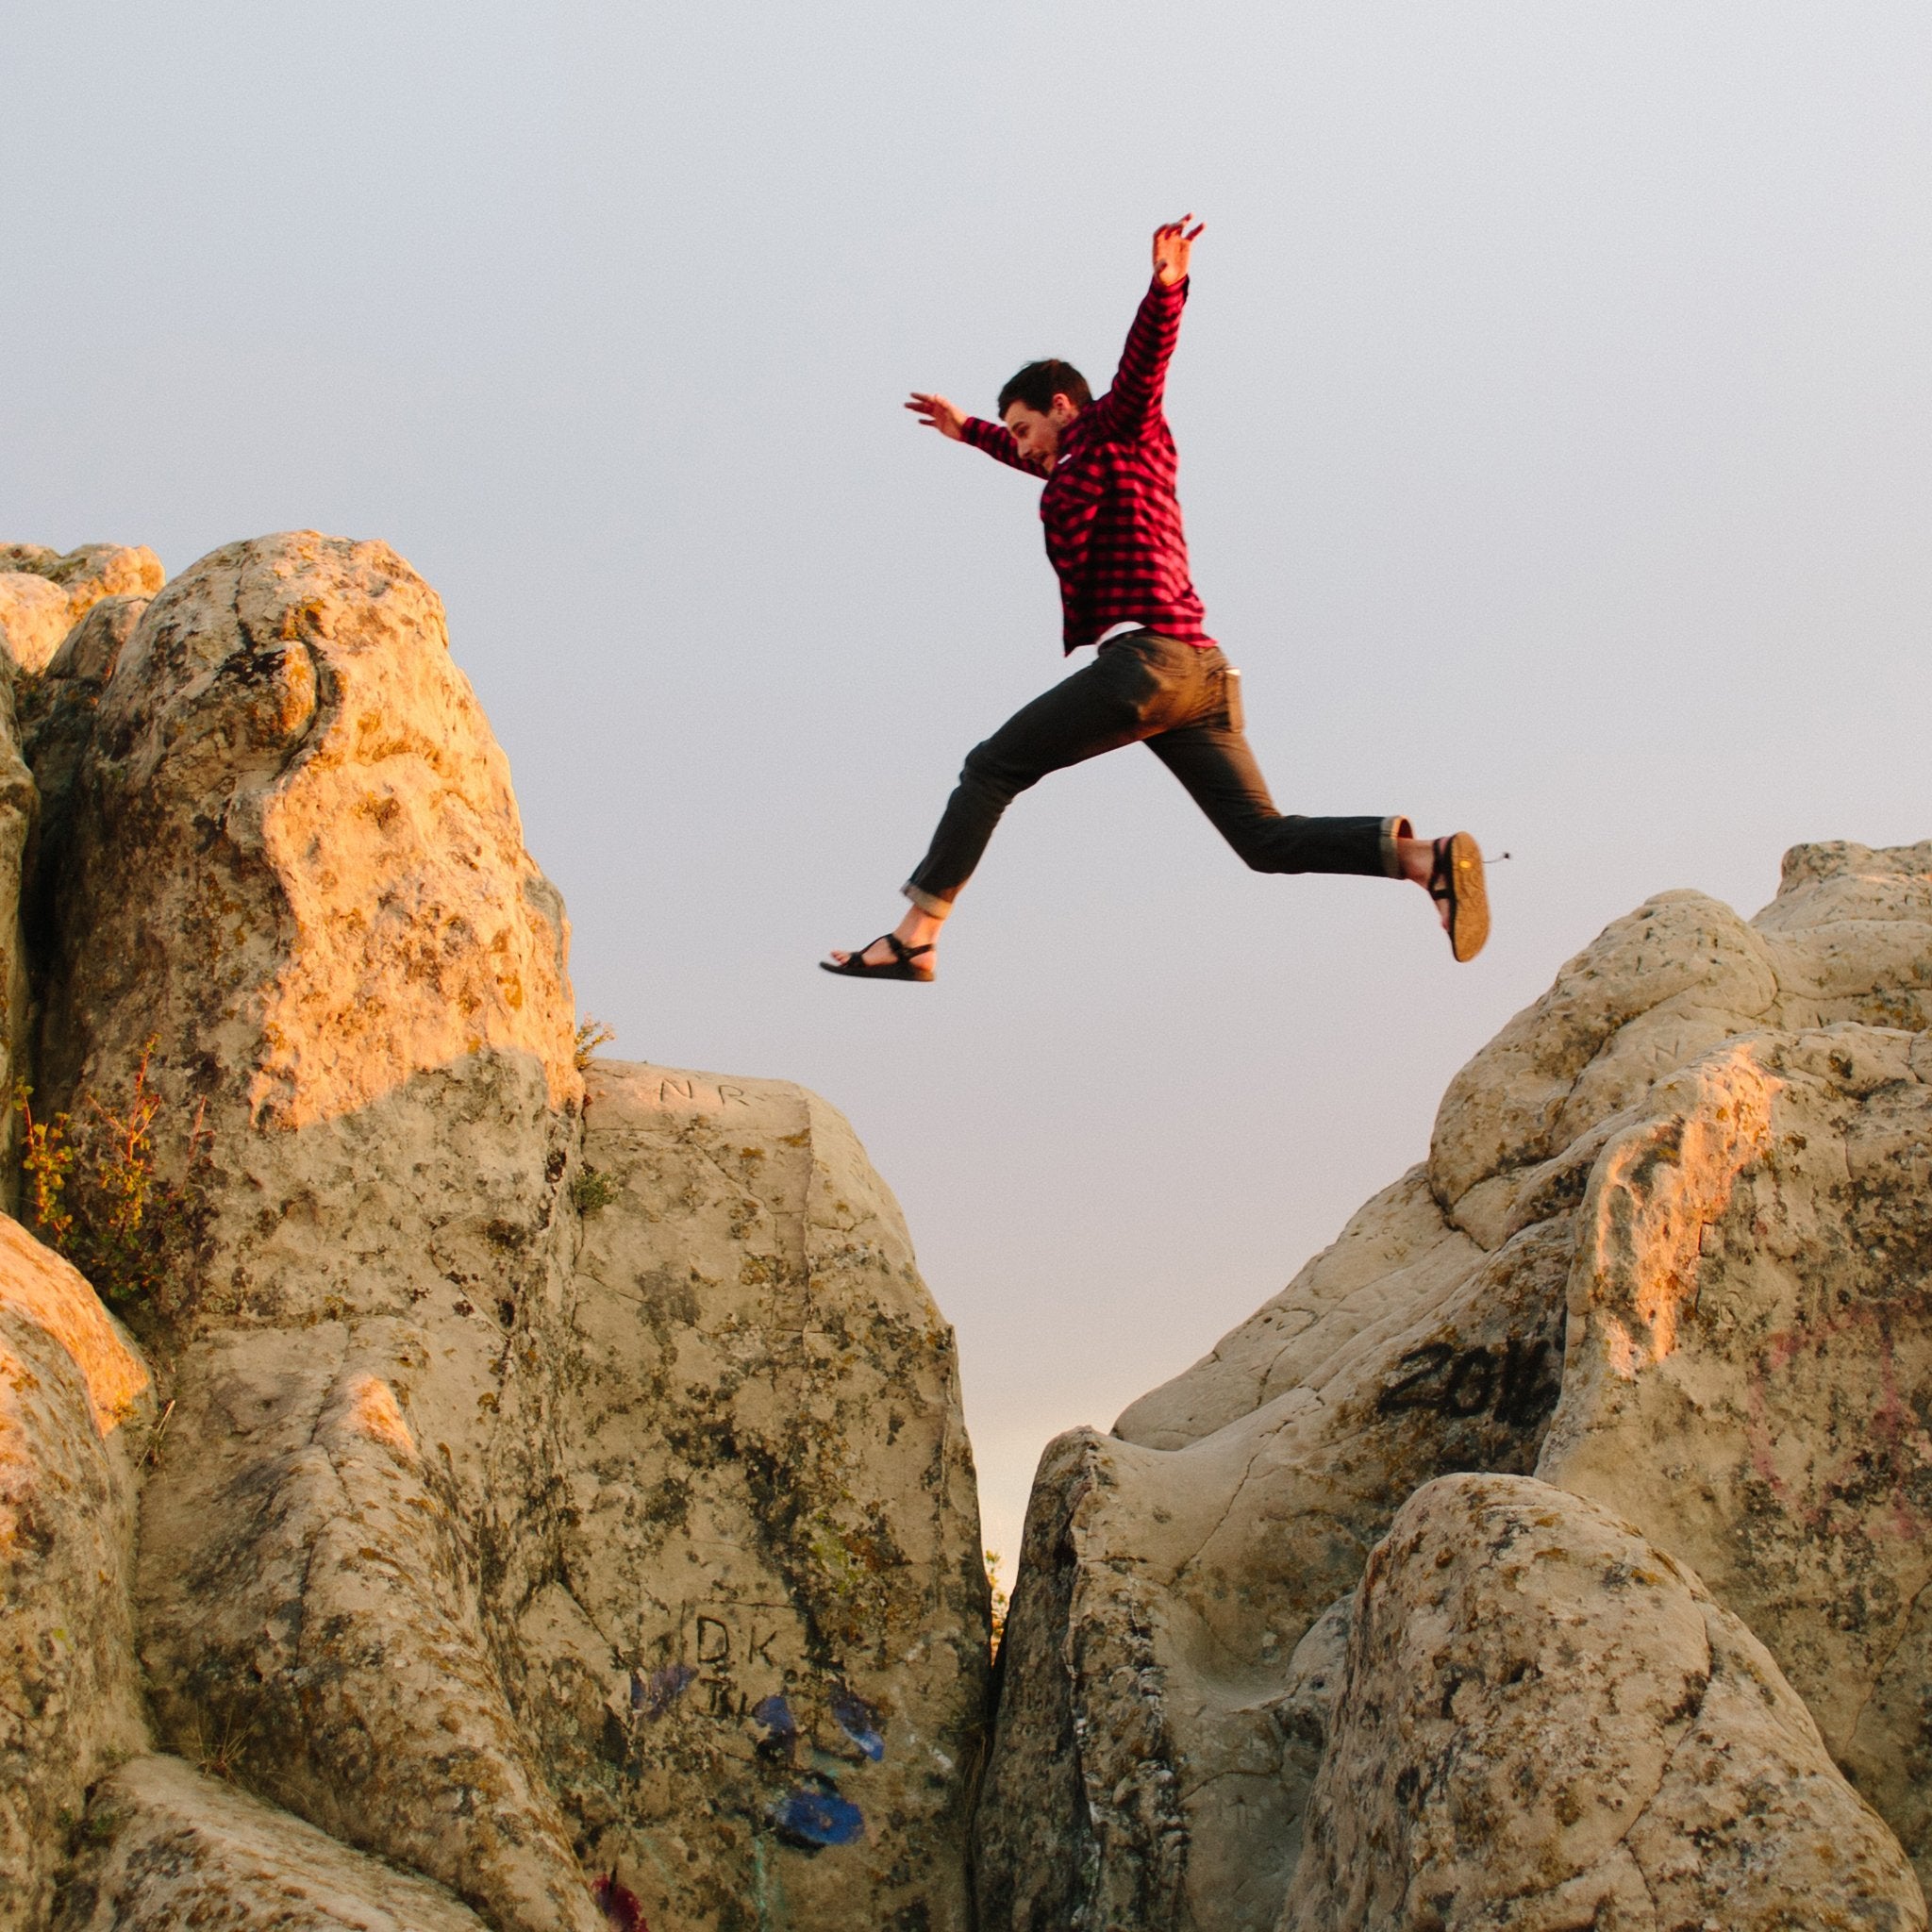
column 75, row 1405
column 168, row 1849
column 1150, row 1764
column 1546, row 1723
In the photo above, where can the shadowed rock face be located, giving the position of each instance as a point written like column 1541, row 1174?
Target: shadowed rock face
column 439, row 1522
column 1544, row 1722
column 759, row 1675
column 1627, row 1138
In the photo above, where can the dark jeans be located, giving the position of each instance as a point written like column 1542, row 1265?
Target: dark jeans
column 1183, row 703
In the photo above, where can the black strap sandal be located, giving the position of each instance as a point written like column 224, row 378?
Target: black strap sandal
column 1455, row 880
column 902, row 965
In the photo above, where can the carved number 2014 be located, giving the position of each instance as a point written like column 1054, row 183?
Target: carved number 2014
column 1508, row 1381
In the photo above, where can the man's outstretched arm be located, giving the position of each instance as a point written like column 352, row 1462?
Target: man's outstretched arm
column 1141, row 378
column 935, row 412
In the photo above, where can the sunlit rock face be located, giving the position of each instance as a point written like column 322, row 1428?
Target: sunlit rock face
column 293, row 864
column 566, row 1539
column 760, row 1673
column 45, row 593
column 1544, row 1721
column 77, row 1410
column 1669, row 1250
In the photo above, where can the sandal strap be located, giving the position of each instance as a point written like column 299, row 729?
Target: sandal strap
column 1441, row 886
column 901, row 951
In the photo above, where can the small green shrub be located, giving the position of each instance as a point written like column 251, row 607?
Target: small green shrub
column 591, row 1188
column 96, row 1196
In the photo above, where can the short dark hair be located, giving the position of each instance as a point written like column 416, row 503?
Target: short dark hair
column 1037, row 384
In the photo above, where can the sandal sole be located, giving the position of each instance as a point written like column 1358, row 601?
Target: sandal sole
column 1469, row 904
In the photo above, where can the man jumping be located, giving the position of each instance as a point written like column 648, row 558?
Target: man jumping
column 1113, row 535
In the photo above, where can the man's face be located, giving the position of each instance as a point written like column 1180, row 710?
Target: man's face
column 1038, row 434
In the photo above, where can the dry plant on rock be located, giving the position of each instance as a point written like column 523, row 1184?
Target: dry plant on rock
column 96, row 1197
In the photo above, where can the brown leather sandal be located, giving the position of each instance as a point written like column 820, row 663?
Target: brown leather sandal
column 900, row 966
column 1455, row 880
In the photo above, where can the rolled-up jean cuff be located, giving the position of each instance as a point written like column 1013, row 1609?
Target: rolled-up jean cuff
column 1392, row 829
column 925, row 902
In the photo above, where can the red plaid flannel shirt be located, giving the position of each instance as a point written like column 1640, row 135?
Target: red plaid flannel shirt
column 1113, row 523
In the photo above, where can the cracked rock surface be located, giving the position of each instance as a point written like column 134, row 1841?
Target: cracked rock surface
column 1546, row 1723
column 1670, row 1249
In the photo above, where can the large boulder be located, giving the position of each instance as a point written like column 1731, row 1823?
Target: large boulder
column 45, row 593
column 296, row 913
column 75, row 1407
column 1545, row 1722
column 644, row 1571
column 759, row 1675
column 1147, row 1769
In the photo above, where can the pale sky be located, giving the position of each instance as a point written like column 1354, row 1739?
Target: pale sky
column 1553, row 406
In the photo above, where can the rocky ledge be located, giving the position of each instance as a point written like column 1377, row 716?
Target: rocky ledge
column 446, row 1480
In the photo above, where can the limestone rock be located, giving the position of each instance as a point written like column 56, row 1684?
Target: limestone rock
column 33, row 618
column 1545, row 1722
column 1750, row 1370
column 72, row 1390
column 1149, row 1764
column 658, row 1565
column 167, row 1849
column 760, row 1675
column 44, row 594
column 294, row 865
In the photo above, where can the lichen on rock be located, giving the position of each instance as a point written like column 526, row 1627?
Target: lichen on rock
column 1545, row 1722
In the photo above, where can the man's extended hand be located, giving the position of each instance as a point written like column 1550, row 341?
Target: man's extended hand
column 1172, row 245
column 937, row 413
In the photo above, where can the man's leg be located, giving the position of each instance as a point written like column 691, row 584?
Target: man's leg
column 1128, row 693
column 1209, row 755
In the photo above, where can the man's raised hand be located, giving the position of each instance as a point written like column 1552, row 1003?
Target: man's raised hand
column 937, row 413
column 1173, row 243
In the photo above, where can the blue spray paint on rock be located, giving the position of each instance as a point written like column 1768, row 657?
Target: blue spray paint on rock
column 780, row 1741
column 816, row 1816
column 664, row 1687
column 859, row 1722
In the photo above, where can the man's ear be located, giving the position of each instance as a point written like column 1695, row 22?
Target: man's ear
column 1063, row 408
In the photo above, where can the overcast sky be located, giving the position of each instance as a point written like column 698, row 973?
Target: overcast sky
column 1553, row 404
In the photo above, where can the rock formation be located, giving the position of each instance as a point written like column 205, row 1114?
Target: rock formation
column 1546, row 1723
column 534, row 1494
column 1669, row 1250
column 770, row 1611
column 408, row 1528
column 45, row 594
